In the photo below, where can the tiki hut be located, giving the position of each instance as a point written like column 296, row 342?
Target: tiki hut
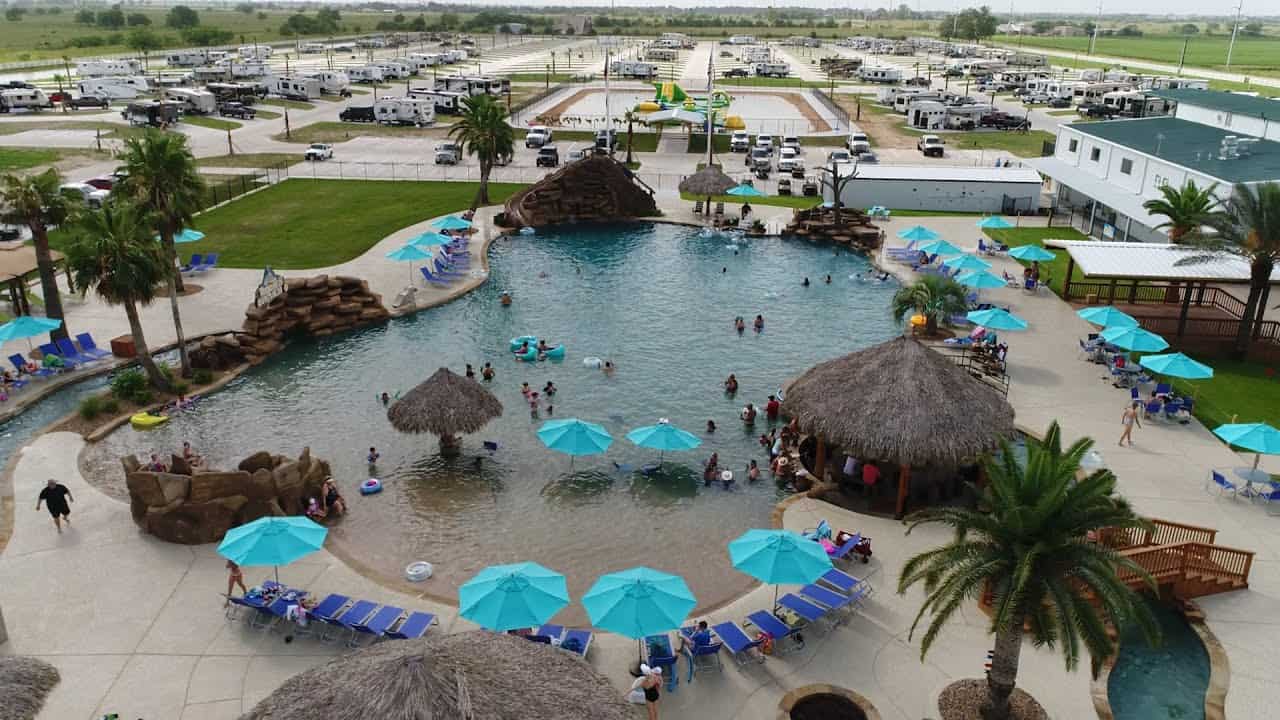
column 898, row 402
column 24, row 683
column 707, row 182
column 445, row 405
column 464, row 676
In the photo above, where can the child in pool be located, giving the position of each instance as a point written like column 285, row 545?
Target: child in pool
column 373, row 456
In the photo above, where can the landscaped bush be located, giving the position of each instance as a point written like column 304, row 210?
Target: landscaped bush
column 110, row 405
column 91, row 407
column 131, row 385
column 202, row 376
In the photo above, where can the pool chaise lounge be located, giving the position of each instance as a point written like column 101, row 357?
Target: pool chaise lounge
column 415, row 625
column 739, row 643
column 375, row 626
column 578, row 641
column 780, row 631
column 90, row 348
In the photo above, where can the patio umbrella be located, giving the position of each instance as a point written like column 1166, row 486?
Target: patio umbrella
column 638, row 602
column 968, row 262
column 917, row 233
column 980, row 280
column 1177, row 365
column 509, row 597
column 997, row 319
column 779, row 556
column 994, row 222
column 1134, row 338
column 1031, row 253
column 940, row 247
column 1108, row 317
column 572, row 437
column 452, row 222
column 27, row 326
column 745, row 190
column 1261, row 438
column 430, row 239
column 662, row 437
column 272, row 541
column 409, row 254
column 187, row 235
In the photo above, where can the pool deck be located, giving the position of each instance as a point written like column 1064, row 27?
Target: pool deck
column 135, row 624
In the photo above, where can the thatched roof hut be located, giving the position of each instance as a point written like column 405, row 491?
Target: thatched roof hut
column 899, row 402
column 707, row 182
column 446, row 405
column 465, row 676
column 24, row 683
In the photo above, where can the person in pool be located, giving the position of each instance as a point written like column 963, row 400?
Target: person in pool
column 486, row 372
column 524, row 348
column 753, row 472
column 711, row 426
column 609, row 367
column 505, row 298
column 739, row 324
column 749, row 414
column 373, row 456
column 386, row 399
column 525, row 389
column 549, row 389
column 759, row 323
column 731, row 384
column 828, row 281
column 711, row 469
column 542, row 346
column 805, row 283
column 471, row 372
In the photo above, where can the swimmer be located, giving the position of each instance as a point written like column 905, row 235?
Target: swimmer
column 711, row 426
column 542, row 346
column 724, row 270
column 805, row 283
column 471, row 373
column 386, row 399
column 505, row 298
column 739, row 324
column 731, row 383
column 883, row 276
column 486, row 372
column 533, row 404
column 524, row 348
column 608, row 367
column 525, row 389
column 749, row 414
column 549, row 389
column 828, row 280
column 373, row 456
column 759, row 323
column 753, row 472
column 551, row 409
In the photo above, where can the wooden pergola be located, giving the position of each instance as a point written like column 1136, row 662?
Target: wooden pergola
column 16, row 268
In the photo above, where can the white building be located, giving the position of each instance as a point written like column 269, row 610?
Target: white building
column 1103, row 172
column 955, row 188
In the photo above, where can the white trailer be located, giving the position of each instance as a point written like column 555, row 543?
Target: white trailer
column 757, row 55
column 1178, row 83
column 294, row 87
column 365, row 74
column 661, row 54
column 902, row 101
column 1094, row 92
column 880, row 74
column 312, row 48
column 425, row 60
column 414, row 110
column 770, row 69
column 633, row 69
column 404, row 67
column 742, row 40
column 445, row 102
column 24, row 98
column 392, row 71
column 115, row 88
column 194, row 102
column 102, row 68
column 332, row 82
column 455, row 55
column 187, row 58
column 254, row 52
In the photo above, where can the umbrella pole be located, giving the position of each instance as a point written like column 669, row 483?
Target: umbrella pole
column 277, row 570
column 1256, row 458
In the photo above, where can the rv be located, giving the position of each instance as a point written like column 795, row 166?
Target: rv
column 679, row 39
column 1092, row 93
column 445, row 102
column 404, row 68
column 1026, row 59
column 903, row 101
column 100, row 68
column 193, row 102
column 757, row 55
column 25, row 98
column 742, row 40
column 373, row 41
column 772, row 69
column 312, row 48
column 880, row 74
column 332, row 82
column 1066, row 89
column 975, row 68
column 413, row 110
column 1121, row 76
column 228, row 69
column 242, row 92
column 457, row 55
column 365, row 74
column 254, row 52
column 392, row 71
column 633, row 69
column 115, row 88
column 1177, row 83
column 659, row 54
column 187, row 58
column 151, row 112
column 422, row 61
column 472, row 85
column 294, row 87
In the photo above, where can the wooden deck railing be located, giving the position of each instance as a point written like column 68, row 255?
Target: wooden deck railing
column 1164, row 532
column 1173, row 562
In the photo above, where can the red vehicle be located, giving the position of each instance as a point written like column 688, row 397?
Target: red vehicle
column 59, row 96
column 101, row 183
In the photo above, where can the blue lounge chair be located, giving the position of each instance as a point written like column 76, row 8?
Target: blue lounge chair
column 1219, row 483
column 844, row 582
column 269, row 612
column 68, row 350
column 329, row 608
column 780, row 631
column 49, row 349
column 555, row 632
column 209, row 263
column 827, row 597
column 376, row 626
column 358, row 612
column 414, row 626
column 701, row 657
column 1164, row 389
column 1171, row 409
column 90, row 348
column 434, row 280
column 443, row 270
column 252, row 602
column 196, row 261
column 807, row 611
column 577, row 641
column 842, row 552
column 20, row 366
column 739, row 644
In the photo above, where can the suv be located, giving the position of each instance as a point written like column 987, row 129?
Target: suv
column 839, row 156
column 930, row 145
column 448, row 153
column 538, row 136
column 1035, row 99
column 548, row 156
column 740, row 141
column 319, row 151
column 237, row 110
column 761, row 158
column 791, row 141
column 918, row 81
column 765, row 141
column 606, row 141
column 1060, row 102
column 737, row 72
column 1097, row 110
column 88, row 101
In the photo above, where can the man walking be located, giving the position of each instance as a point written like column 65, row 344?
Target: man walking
column 55, row 496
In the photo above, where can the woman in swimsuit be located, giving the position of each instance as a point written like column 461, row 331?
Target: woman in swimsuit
column 649, row 681
column 759, row 323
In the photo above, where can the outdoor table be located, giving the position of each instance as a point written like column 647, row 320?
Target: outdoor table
column 1253, row 475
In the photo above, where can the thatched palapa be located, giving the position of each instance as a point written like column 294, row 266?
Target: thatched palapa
column 465, row 676
column 444, row 404
column 24, row 683
column 707, row 182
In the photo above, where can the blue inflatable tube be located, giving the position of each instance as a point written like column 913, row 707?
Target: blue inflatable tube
column 555, row 353
column 530, row 356
column 518, row 341
column 372, row 486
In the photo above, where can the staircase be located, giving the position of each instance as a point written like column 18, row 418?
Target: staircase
column 1181, row 557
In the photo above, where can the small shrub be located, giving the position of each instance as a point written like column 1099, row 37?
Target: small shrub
column 145, row 397
column 91, row 407
column 181, row 388
column 110, row 405
column 128, row 384
column 202, row 376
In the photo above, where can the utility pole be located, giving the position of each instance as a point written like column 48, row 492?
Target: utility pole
column 1234, row 29
column 1183, row 57
column 1093, row 39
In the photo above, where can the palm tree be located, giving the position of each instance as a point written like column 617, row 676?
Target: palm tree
column 1187, row 208
column 935, row 297
column 1027, row 546
column 114, row 253
column 483, row 131
column 37, row 202
column 1249, row 229
column 161, row 177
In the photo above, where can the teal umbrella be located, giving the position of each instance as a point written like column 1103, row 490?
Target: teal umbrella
column 997, row 319
column 573, row 437
column 1134, row 338
column 27, row 326
column 272, row 541
column 452, row 222
column 1261, row 438
column 994, row 222
column 940, row 247
column 745, row 190
column 1031, row 253
column 1107, row 316
column 430, row 239
column 662, row 437
column 980, row 280
column 968, row 262
column 509, row 597
column 409, row 254
column 638, row 602
column 1177, row 365
column 187, row 235
column 918, row 233
column 779, row 556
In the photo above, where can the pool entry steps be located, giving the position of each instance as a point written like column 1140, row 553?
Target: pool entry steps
column 1183, row 558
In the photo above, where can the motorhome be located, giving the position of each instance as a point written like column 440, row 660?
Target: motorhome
column 101, row 68
column 187, row 58
column 115, row 88
column 413, row 110
column 332, row 82
column 242, row 92
column 294, row 87
column 229, row 69
column 254, row 52
column 975, row 68
column 406, row 68
column 661, row 54
column 312, row 48
column 680, row 39
column 1026, row 59
column 633, row 69
column 1066, row 89
column 23, row 98
column 194, row 102
column 455, row 55
column 880, row 74
column 755, row 55
column 151, row 112
column 1176, row 83
column 472, row 84
column 424, row 61
column 445, row 102
column 1117, row 75
column 772, row 69
column 365, row 74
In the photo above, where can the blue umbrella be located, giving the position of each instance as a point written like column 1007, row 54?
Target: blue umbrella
column 429, row 239
column 968, row 262
column 917, row 233
column 572, row 436
column 638, row 602
column 779, row 556
column 745, row 190
column 272, row 541
column 452, row 222
column 980, row 280
column 187, row 235
column 508, row 597
column 409, row 254
column 1031, row 253
column 940, row 247
column 994, row 222
column 27, row 326
column 997, row 319
column 1134, row 338
column 662, row 437
column 1107, row 316
column 1261, row 438
column 1177, row 365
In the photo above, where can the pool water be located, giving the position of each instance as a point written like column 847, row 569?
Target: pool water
column 1168, row 681
column 659, row 300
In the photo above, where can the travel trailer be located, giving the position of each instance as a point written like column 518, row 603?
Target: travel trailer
column 757, row 55
column 312, row 48
column 241, row 92
column 633, row 69
column 423, row 61
column 24, row 98
column 742, row 40
column 880, row 74
column 392, row 71
column 445, row 102
column 661, row 54
column 402, row 68
column 228, row 69
column 254, row 52
column 413, row 110
column 100, row 68
column 294, row 87
column 193, row 102
column 332, row 82
column 187, row 58
column 903, row 101
column 365, row 74
column 472, row 84
column 772, row 69
column 1176, row 83
column 151, row 112
column 115, row 88
column 1093, row 92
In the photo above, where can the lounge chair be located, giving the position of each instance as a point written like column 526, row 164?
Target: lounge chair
column 414, row 626
column 443, row 270
column 697, row 208
column 358, row 612
column 844, row 582
column 1011, row 281
column 1163, row 390
column 375, row 626
column 739, row 644
column 805, row 610
column 1219, row 483
column 270, row 612
column 196, row 261
column 555, row 632
column 719, row 208
column 1152, row 409
column 20, row 366
column 701, row 657
column 49, row 349
column 434, row 280
column 68, row 350
column 780, row 631
column 329, row 608
column 827, row 597
column 842, row 552
column 209, row 263
column 576, row 641
column 253, row 602
column 1171, row 410
column 90, row 348
column 1270, row 498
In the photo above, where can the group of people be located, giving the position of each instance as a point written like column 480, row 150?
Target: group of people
column 741, row 325
column 329, row 503
column 487, row 372
column 534, row 398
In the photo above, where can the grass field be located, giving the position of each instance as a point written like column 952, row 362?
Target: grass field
column 1251, row 55
column 212, row 123
column 733, row 201
column 336, row 132
column 1028, row 144
column 1055, row 269
column 280, row 227
column 12, row 158
column 291, row 104
column 251, row 160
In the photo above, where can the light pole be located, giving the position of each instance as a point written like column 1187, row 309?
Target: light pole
column 1093, row 39
column 1235, row 28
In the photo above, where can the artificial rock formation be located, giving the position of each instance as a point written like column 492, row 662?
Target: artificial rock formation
column 196, row 506
column 594, row 188
column 319, row 306
column 819, row 223
column 219, row 352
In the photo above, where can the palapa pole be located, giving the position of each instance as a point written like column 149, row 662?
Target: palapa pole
column 904, row 479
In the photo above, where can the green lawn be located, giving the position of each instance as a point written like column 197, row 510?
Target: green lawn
column 291, row 104
column 771, row 82
column 336, row 132
column 698, row 143
column 1055, row 269
column 212, row 123
column 266, row 114
column 556, row 78
column 250, row 160
column 1243, row 392
column 13, row 158
column 791, row 201
column 1256, row 55
column 301, row 224
column 1028, row 144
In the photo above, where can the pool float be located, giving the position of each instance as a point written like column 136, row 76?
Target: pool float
column 418, row 571
column 527, row 231
column 516, row 342
column 144, row 420
column 372, row 486
column 731, row 247
column 592, row 361
column 555, row 353
column 530, row 356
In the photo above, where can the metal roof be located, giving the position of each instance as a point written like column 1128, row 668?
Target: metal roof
column 1226, row 101
column 1152, row 261
column 942, row 173
column 1191, row 145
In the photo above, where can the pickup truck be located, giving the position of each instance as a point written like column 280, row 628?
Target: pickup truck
column 740, row 141
column 761, row 158
column 318, row 151
column 88, row 101
column 537, row 136
column 548, row 156
column 1004, row 121
column 930, row 145
column 358, row 114
column 835, row 157
column 737, row 72
column 790, row 159
column 236, row 110
column 448, row 153
column 1096, row 110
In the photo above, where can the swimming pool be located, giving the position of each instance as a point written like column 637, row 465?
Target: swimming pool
column 657, row 299
column 1154, row 683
